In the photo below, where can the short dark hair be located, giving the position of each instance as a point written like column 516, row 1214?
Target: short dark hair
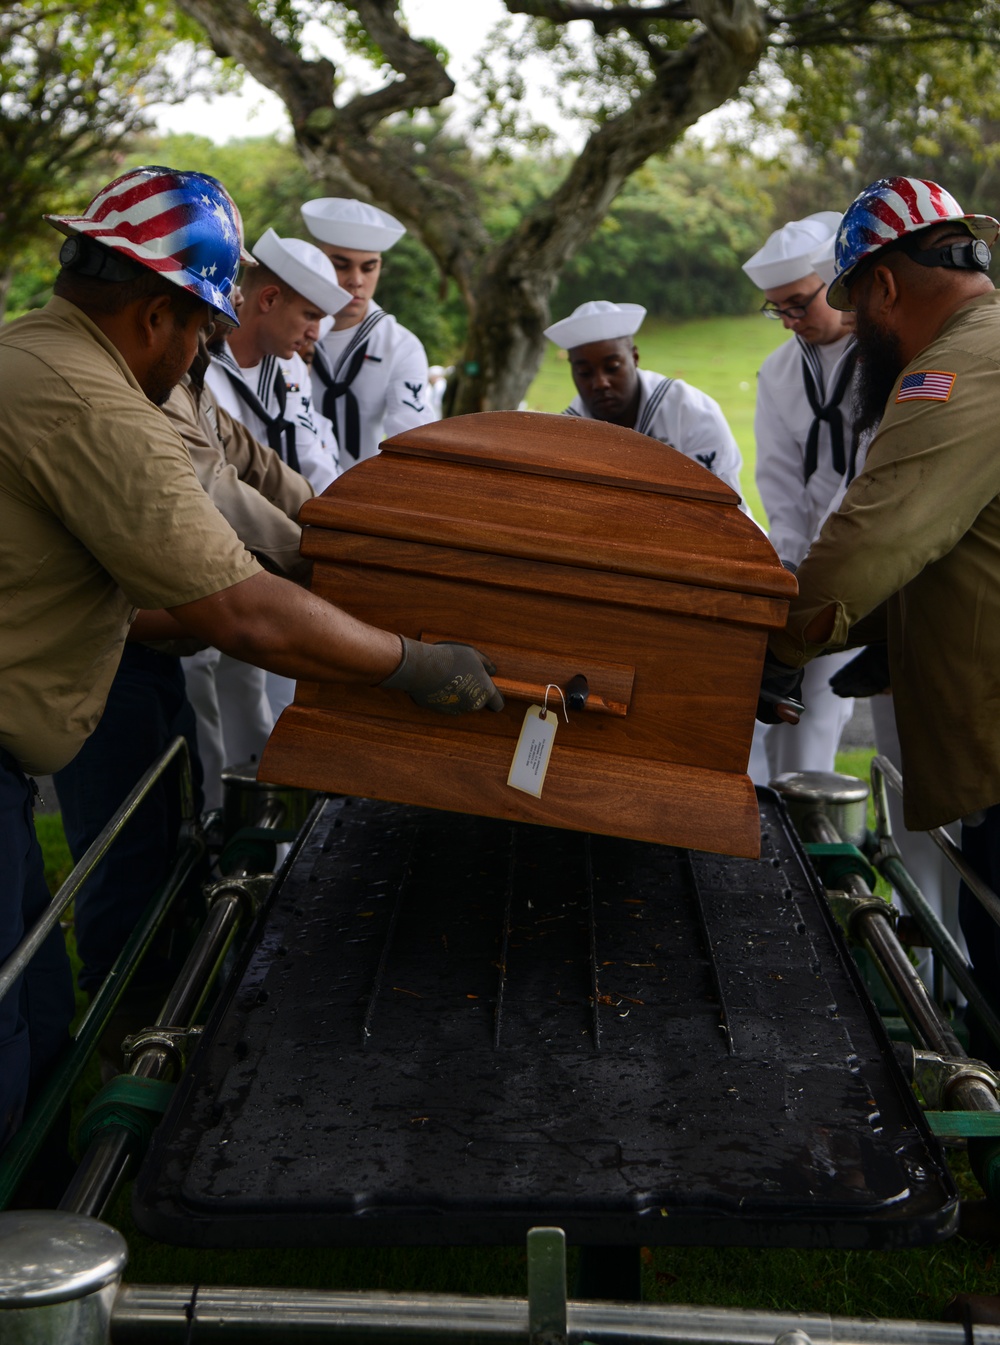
column 255, row 278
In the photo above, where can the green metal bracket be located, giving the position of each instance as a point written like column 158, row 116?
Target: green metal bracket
column 838, row 860
column 547, row 1287
column 254, row 847
column 960, row 1125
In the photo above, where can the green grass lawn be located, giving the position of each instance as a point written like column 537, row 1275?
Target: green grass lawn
column 720, row 356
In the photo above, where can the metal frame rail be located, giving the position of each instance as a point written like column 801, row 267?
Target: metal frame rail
column 888, row 861
column 158, row 1053
column 948, row 1079
column 95, row 1308
column 191, row 847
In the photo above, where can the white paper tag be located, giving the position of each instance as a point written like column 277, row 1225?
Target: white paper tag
column 534, row 747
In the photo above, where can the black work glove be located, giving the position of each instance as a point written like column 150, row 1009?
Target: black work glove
column 865, row 675
column 780, row 685
column 452, row 678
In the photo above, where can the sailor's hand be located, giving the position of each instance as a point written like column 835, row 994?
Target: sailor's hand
column 780, row 690
column 451, row 678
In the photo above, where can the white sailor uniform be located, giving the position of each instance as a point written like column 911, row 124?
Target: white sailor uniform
column 806, row 458
column 274, row 401
column 687, row 419
column 235, row 703
column 371, row 381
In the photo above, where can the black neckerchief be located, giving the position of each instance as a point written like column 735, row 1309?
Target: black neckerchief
column 280, row 430
column 829, row 411
column 337, row 382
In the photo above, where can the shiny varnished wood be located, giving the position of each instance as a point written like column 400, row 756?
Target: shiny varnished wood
column 557, row 546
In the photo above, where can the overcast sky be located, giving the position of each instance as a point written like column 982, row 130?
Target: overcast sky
column 460, row 28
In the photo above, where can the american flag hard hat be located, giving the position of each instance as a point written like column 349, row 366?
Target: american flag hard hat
column 183, row 225
column 885, row 212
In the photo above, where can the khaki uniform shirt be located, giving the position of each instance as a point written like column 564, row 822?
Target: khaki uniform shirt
column 100, row 513
column 258, row 494
column 919, row 531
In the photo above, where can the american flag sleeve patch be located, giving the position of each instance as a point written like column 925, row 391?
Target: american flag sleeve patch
column 930, row 385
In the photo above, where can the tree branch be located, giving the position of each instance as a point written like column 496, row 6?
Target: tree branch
column 337, row 141
column 425, row 84
column 604, row 20
column 234, row 30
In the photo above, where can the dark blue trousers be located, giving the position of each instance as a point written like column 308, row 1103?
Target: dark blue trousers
column 981, row 847
column 35, row 1015
column 146, row 708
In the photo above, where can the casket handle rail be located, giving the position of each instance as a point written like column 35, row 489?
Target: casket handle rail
column 590, row 684
column 514, row 690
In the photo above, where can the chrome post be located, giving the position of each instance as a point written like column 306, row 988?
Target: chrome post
column 59, row 1276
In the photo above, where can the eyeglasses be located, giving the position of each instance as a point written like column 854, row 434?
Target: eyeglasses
column 794, row 313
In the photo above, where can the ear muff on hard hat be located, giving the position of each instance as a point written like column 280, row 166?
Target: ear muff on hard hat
column 184, row 226
column 888, row 211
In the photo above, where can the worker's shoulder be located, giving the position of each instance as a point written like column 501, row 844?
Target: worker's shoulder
column 971, row 336
column 183, row 402
column 57, row 370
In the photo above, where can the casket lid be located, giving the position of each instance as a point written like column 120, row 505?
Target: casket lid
column 555, row 489
column 563, row 446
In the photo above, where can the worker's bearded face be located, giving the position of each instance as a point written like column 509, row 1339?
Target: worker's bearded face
column 178, row 339
column 880, row 362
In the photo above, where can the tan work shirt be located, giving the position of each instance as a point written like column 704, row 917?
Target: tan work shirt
column 100, row 513
column 919, row 530
column 257, row 493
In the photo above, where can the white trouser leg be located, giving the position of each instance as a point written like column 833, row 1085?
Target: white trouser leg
column 199, row 677
column 923, row 860
column 247, row 719
column 280, row 692
column 757, row 767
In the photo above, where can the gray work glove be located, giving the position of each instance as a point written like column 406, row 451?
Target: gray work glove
column 452, row 678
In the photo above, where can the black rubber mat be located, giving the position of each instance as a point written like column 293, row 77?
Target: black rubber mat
column 451, row 1029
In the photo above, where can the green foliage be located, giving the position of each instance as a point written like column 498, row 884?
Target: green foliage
column 55, row 851
column 75, row 83
column 591, row 78
column 411, row 288
column 858, row 114
column 269, row 183
column 674, row 241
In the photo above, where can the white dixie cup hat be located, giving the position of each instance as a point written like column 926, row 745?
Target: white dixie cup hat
column 303, row 266
column 598, row 320
column 795, row 251
column 342, row 222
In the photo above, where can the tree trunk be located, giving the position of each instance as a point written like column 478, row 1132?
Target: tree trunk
column 506, row 287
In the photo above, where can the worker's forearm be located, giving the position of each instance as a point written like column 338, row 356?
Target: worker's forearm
column 277, row 625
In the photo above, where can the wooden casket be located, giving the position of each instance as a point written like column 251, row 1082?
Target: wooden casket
column 561, row 548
